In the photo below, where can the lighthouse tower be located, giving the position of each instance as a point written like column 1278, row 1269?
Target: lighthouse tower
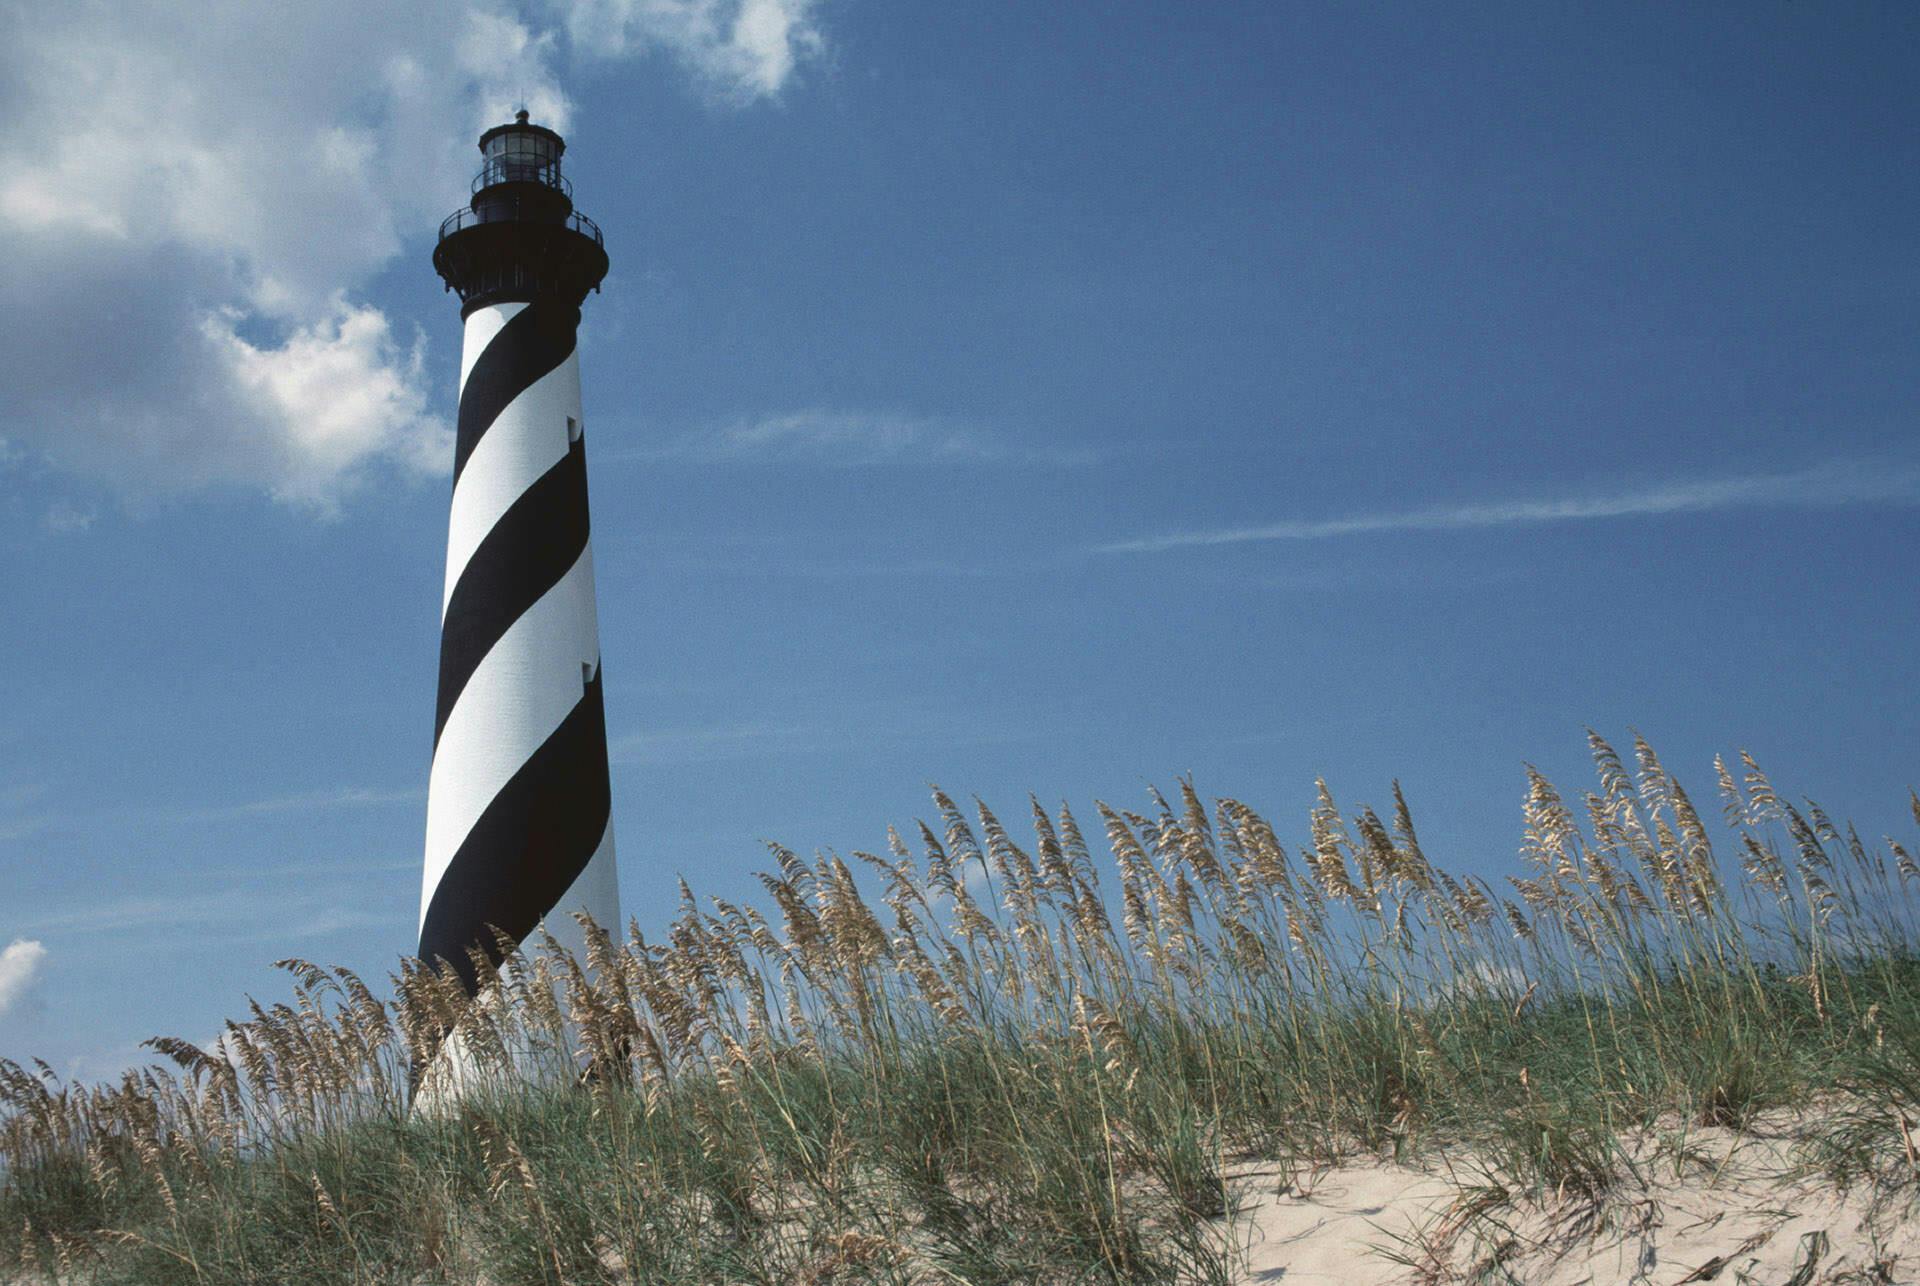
column 518, row 801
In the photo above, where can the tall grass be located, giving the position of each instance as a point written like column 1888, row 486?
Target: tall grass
column 969, row 1060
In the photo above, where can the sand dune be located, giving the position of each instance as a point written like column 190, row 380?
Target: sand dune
column 1712, row 1205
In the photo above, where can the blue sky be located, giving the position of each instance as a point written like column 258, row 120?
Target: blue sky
column 1008, row 397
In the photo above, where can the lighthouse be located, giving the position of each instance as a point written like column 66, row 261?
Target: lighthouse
column 518, row 800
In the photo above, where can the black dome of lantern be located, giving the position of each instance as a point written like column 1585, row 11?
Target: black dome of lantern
column 520, row 238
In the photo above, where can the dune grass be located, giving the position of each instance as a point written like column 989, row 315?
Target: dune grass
column 965, row 1060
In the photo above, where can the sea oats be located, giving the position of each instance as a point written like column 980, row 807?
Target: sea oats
column 1732, row 805
column 1696, row 852
column 961, row 844
column 1651, row 776
column 1613, row 772
column 1005, row 1049
column 1763, row 805
column 1550, row 835
column 1418, row 869
column 1326, row 855
column 1822, row 824
column 1764, row 866
column 1904, row 862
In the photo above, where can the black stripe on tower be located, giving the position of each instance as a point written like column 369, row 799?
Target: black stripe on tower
column 529, row 845
column 534, row 544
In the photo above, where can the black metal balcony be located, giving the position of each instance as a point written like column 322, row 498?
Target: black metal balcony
column 514, row 210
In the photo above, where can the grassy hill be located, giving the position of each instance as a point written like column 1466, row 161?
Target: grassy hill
column 979, row 1059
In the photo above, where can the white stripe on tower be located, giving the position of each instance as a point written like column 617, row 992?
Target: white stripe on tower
column 518, row 800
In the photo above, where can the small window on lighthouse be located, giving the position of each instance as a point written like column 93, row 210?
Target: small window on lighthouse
column 573, row 429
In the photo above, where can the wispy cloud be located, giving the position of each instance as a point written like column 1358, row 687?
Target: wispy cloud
column 237, row 915
column 21, row 825
column 19, row 964
column 64, row 518
column 1826, row 485
column 755, row 740
column 21, row 793
column 305, row 802
column 15, row 824
column 20, row 828
column 851, row 440
column 771, row 564
column 725, row 741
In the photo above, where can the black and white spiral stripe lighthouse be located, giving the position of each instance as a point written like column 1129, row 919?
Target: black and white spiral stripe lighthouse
column 518, row 801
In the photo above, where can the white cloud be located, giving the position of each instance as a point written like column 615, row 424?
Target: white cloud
column 1827, row 485
column 186, row 195
column 511, row 68
column 19, row 964
column 195, row 200
column 744, row 50
column 847, row 439
column 333, row 394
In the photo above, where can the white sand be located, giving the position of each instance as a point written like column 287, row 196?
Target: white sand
column 1731, row 1213
column 1325, row 1228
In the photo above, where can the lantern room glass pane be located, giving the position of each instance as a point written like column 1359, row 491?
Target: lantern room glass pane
column 519, row 148
column 522, row 154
